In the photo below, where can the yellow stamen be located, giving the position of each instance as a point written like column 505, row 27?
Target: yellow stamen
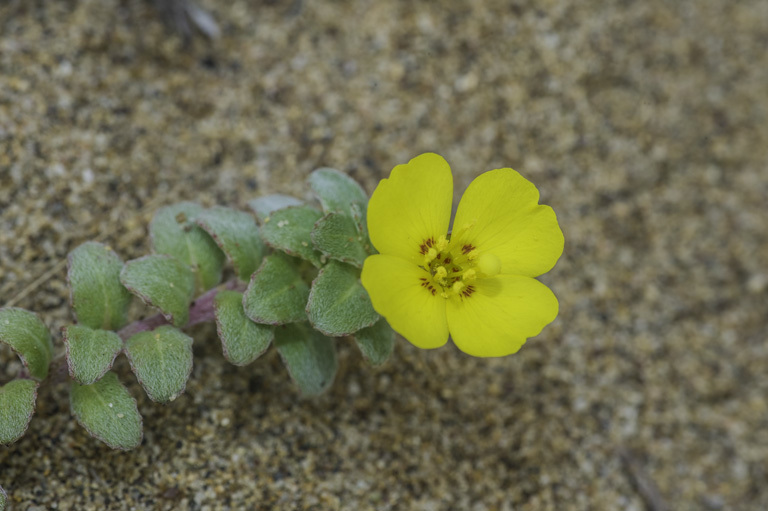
column 489, row 265
column 472, row 254
column 430, row 255
column 441, row 272
column 469, row 275
column 458, row 286
column 467, row 226
column 442, row 243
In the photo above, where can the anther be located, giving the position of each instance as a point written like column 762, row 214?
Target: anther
column 469, row 275
column 489, row 265
column 430, row 255
column 467, row 226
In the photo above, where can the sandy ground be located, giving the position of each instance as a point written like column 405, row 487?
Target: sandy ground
column 645, row 126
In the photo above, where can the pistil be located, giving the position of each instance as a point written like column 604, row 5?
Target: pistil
column 452, row 273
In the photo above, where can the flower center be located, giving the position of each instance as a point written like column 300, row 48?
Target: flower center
column 453, row 272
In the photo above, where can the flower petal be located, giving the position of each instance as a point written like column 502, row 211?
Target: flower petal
column 413, row 205
column 499, row 214
column 397, row 294
column 498, row 317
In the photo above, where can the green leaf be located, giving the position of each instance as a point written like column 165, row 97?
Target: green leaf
column 338, row 303
column 242, row 340
column 289, row 230
column 161, row 359
column 358, row 212
column 90, row 353
column 237, row 234
column 3, row 499
column 277, row 294
column 265, row 206
column 309, row 356
column 336, row 190
column 173, row 232
column 376, row 342
column 98, row 298
column 337, row 238
column 28, row 336
column 17, row 404
column 108, row 412
column 161, row 281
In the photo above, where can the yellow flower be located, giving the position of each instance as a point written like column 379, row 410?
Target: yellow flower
column 475, row 283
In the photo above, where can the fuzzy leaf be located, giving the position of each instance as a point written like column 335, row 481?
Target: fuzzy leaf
column 173, row 232
column 265, row 206
column 309, row 356
column 358, row 212
column 242, row 340
column 237, row 235
column 17, row 404
column 161, row 359
column 289, row 230
column 336, row 190
column 337, row 238
column 376, row 342
column 90, row 353
column 3, row 499
column 161, row 281
column 108, row 412
column 338, row 303
column 98, row 298
column 276, row 294
column 28, row 336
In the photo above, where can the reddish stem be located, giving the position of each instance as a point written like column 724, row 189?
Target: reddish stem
column 200, row 311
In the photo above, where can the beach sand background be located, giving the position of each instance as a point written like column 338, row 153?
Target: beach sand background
column 643, row 124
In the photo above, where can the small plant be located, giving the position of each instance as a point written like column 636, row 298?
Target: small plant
column 297, row 285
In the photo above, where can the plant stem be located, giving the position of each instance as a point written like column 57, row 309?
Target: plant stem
column 200, row 311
